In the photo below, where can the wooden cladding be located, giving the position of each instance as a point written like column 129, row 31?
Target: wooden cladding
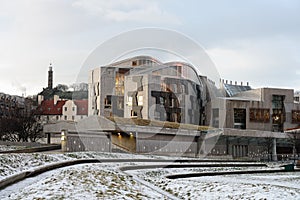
column 295, row 116
column 259, row 115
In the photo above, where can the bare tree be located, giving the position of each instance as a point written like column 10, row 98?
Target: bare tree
column 295, row 140
column 23, row 129
column 10, row 128
column 79, row 87
column 30, row 129
column 62, row 88
column 268, row 146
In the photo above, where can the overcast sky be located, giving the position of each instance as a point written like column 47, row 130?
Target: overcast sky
column 253, row 41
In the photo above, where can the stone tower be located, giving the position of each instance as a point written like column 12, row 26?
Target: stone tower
column 50, row 77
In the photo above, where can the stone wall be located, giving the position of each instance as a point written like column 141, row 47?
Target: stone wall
column 88, row 142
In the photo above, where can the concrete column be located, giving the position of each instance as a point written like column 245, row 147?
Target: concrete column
column 234, row 150
column 274, row 153
column 241, row 151
column 64, row 135
column 244, row 150
column 137, row 145
column 199, row 141
column 48, row 138
column 110, row 142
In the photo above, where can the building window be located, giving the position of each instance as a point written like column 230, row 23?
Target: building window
column 119, row 82
column 120, row 103
column 161, row 100
column 295, row 116
column 129, row 102
column 215, row 117
column 171, row 103
column 107, row 102
column 73, row 118
column 240, row 118
column 278, row 116
column 134, row 63
column 73, row 108
column 133, row 113
column 66, row 117
column 66, row 109
column 277, row 101
column 259, row 115
column 57, row 117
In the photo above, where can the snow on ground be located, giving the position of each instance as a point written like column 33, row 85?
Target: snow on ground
column 9, row 147
column 92, row 181
column 15, row 163
column 106, row 181
column 247, row 186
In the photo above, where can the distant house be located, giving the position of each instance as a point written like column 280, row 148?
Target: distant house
column 50, row 111
column 74, row 110
column 53, row 110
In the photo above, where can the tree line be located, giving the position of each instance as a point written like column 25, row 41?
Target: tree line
column 21, row 129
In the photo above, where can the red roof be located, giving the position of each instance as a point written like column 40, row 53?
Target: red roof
column 82, row 106
column 47, row 107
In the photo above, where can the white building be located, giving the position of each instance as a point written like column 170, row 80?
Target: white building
column 53, row 110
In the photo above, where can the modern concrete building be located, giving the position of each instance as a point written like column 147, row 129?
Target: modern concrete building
column 297, row 97
column 265, row 109
column 143, row 87
column 156, row 107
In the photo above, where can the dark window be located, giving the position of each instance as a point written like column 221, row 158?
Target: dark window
column 240, row 118
column 161, row 100
column 107, row 102
column 215, row 117
column 278, row 116
column 133, row 113
column 277, row 102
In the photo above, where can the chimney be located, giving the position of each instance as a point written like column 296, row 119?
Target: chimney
column 50, row 77
column 40, row 99
column 55, row 99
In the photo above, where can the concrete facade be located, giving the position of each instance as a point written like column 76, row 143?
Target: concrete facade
column 248, row 123
column 266, row 109
column 145, row 88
